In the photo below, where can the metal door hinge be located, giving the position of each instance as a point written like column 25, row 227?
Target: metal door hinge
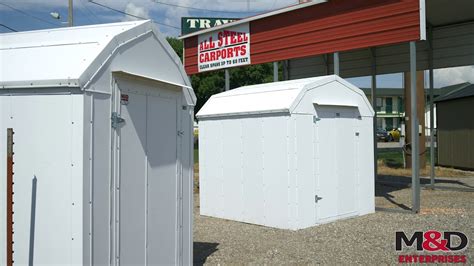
column 316, row 198
column 316, row 119
column 180, row 133
column 116, row 120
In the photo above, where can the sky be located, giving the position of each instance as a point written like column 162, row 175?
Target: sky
column 24, row 15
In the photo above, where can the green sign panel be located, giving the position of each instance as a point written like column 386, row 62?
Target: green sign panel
column 192, row 24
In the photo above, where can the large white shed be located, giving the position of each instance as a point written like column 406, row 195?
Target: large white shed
column 289, row 154
column 102, row 118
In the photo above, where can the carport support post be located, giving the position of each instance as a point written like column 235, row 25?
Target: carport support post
column 227, row 79
column 336, row 63
column 415, row 147
column 432, row 149
column 373, row 93
column 275, row 71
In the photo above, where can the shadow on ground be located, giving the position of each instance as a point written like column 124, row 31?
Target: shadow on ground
column 386, row 184
column 202, row 250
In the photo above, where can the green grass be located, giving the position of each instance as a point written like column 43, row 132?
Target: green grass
column 196, row 155
column 394, row 157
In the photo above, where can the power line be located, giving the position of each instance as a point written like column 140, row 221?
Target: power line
column 90, row 11
column 29, row 15
column 125, row 13
column 12, row 29
column 87, row 16
column 202, row 9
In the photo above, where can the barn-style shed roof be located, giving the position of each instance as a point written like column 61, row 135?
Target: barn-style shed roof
column 279, row 97
column 73, row 56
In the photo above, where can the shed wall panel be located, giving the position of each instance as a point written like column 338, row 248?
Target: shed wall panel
column 87, row 180
column 276, row 172
column 162, row 184
column 304, row 172
column 365, row 166
column 252, row 167
column 188, row 184
column 345, row 144
column 132, row 181
column 326, row 165
column 211, row 168
column 101, row 187
column 48, row 176
column 232, row 184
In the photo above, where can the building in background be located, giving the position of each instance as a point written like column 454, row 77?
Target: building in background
column 391, row 106
column 456, row 127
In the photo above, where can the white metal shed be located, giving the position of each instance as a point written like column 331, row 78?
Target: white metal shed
column 102, row 118
column 289, row 154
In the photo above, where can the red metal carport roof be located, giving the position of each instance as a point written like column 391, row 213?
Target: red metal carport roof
column 321, row 28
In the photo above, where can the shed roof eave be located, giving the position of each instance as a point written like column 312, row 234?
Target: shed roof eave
column 260, row 112
column 32, row 84
column 188, row 91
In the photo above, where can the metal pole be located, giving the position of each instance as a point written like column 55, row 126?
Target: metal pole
column 275, row 71
column 326, row 62
column 336, row 63
column 227, row 80
column 432, row 130
column 285, row 70
column 70, row 19
column 9, row 201
column 373, row 93
column 415, row 146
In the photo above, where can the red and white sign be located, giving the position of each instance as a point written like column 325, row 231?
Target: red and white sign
column 224, row 48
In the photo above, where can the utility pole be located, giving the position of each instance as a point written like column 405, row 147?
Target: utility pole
column 70, row 20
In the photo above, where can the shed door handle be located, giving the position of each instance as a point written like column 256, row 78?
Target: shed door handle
column 316, row 198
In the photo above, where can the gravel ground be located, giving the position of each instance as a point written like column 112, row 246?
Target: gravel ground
column 369, row 239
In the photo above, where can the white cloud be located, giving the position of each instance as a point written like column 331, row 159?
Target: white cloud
column 162, row 13
column 135, row 10
column 173, row 14
column 455, row 75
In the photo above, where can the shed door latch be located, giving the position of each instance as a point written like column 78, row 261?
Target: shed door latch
column 116, row 120
column 316, row 198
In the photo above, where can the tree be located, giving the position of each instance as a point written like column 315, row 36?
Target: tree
column 177, row 46
column 209, row 83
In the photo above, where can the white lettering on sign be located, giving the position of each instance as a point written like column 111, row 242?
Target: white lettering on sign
column 224, row 48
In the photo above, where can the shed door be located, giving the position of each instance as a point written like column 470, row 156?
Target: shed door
column 147, row 176
column 336, row 150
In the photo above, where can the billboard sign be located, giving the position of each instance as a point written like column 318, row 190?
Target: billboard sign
column 224, row 48
column 192, row 24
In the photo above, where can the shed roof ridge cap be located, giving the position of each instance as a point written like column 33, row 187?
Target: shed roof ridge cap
column 255, row 92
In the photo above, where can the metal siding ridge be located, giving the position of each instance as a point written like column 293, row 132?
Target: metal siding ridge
column 360, row 42
column 327, row 35
column 332, row 23
column 334, row 10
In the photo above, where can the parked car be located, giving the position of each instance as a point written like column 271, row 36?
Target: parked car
column 382, row 135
